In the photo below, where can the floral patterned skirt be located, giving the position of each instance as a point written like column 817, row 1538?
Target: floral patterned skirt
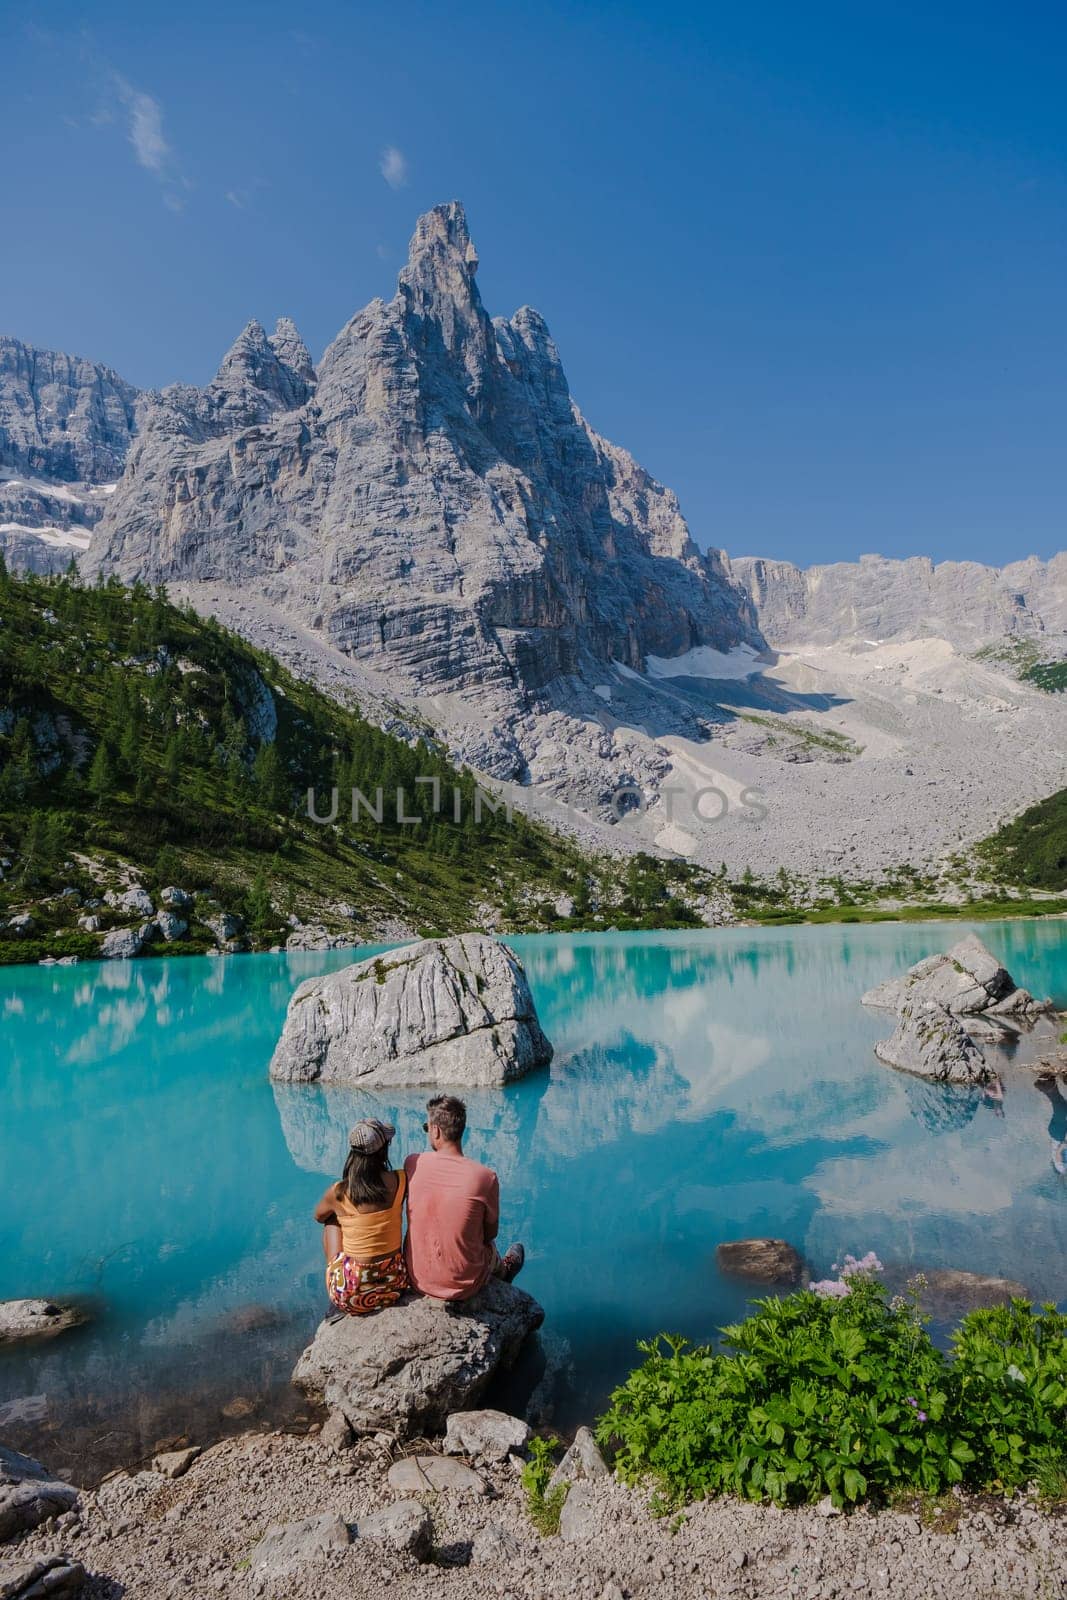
column 361, row 1286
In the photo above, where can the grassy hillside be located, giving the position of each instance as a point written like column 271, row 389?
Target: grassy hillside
column 134, row 735
column 1032, row 850
column 1024, row 659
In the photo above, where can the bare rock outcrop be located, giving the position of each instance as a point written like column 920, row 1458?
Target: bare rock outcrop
column 879, row 598
column 430, row 498
column 28, row 1494
column 930, row 1041
column 408, row 1367
column 454, row 1012
column 37, row 1319
column 945, row 1005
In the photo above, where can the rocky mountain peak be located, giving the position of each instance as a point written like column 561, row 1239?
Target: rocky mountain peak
column 264, row 375
column 291, row 350
column 437, row 292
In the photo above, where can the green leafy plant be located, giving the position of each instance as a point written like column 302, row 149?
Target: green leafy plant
column 544, row 1504
column 843, row 1393
column 1009, row 1373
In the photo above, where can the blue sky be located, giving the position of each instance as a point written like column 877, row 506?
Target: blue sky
column 808, row 262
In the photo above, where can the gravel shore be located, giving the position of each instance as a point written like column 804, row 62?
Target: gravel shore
column 144, row 1536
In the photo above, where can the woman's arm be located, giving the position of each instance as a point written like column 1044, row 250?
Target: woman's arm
column 326, row 1210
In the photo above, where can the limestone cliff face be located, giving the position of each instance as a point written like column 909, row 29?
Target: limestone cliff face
column 875, row 598
column 431, row 498
column 65, row 430
column 62, row 417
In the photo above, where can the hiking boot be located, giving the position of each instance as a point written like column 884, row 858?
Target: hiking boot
column 512, row 1262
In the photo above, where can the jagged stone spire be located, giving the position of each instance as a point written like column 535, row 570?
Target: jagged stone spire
column 291, row 350
column 277, row 369
column 437, row 286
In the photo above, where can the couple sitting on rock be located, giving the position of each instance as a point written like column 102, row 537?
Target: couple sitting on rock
column 453, row 1214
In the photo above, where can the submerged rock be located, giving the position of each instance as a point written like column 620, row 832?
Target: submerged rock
column 761, row 1260
column 28, row 1495
column 949, row 1291
column 407, row 1367
column 37, row 1319
column 442, row 1012
column 930, row 1041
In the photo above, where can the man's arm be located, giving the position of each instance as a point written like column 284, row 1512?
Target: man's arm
column 492, row 1210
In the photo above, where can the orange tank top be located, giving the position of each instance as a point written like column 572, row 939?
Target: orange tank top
column 366, row 1235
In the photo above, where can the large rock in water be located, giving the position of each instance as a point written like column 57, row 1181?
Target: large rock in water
column 37, row 1319
column 407, row 1367
column 930, row 1041
column 968, row 981
column 760, row 1260
column 445, row 1011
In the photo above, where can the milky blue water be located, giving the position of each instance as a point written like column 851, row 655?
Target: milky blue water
column 706, row 1086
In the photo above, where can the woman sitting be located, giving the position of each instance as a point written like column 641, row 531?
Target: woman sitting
column 362, row 1219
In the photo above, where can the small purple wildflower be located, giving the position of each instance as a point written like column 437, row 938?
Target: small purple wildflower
column 922, row 1416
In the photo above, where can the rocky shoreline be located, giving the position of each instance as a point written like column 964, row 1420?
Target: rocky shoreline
column 150, row 1536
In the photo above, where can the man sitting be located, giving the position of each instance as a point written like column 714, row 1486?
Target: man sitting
column 453, row 1213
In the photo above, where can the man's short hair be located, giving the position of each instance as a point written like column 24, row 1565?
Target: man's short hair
column 449, row 1115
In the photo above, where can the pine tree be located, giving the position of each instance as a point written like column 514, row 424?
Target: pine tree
column 272, row 785
column 102, row 772
column 259, row 911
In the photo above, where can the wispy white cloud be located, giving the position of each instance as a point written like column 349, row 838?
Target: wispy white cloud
column 145, row 127
column 143, row 115
column 394, row 167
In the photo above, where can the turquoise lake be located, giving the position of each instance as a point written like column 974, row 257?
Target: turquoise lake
column 706, row 1086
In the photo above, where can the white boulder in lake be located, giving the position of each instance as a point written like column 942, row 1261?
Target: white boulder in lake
column 968, row 982
column 445, row 1012
column 930, row 1041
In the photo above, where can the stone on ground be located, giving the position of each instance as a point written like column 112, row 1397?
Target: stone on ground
column 336, row 1433
column 761, row 1260
column 287, row 1547
column 492, row 1545
column 175, row 1463
column 491, row 1435
column 28, row 1495
column 582, row 1461
column 407, row 1526
column 931, row 1042
column 407, row 1367
column 41, row 1578
column 451, row 1012
column 36, row 1319
column 435, row 1475
column 579, row 1521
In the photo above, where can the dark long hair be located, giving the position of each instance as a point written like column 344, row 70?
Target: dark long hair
column 363, row 1179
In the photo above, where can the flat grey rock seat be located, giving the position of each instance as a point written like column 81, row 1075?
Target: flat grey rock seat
column 449, row 1012
column 407, row 1367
